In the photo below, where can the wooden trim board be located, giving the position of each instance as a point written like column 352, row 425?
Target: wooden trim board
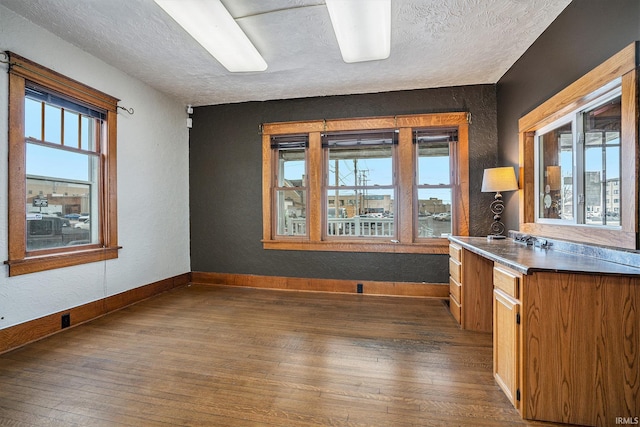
column 24, row 333
column 369, row 287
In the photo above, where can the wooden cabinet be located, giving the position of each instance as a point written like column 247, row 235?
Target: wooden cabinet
column 566, row 328
column 470, row 289
column 506, row 332
column 584, row 329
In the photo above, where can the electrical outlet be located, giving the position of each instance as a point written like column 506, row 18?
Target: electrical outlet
column 359, row 288
column 66, row 320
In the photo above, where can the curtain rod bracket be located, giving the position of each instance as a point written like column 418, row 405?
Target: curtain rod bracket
column 128, row 110
column 6, row 58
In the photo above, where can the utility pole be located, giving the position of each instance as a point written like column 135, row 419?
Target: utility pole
column 363, row 182
column 335, row 202
column 355, row 176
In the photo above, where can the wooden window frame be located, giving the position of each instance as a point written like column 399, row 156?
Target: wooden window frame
column 21, row 72
column 325, row 189
column 304, row 189
column 406, row 241
column 624, row 66
column 418, row 186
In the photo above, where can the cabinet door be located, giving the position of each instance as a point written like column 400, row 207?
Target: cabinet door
column 506, row 336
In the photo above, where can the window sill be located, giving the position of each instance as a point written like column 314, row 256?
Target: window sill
column 437, row 246
column 53, row 261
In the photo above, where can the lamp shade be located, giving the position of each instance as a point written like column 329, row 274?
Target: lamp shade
column 495, row 180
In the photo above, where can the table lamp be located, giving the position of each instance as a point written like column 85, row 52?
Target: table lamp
column 496, row 180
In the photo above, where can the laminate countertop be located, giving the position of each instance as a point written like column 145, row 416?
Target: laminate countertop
column 529, row 259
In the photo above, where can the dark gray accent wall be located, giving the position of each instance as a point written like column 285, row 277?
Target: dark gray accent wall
column 226, row 183
column 585, row 34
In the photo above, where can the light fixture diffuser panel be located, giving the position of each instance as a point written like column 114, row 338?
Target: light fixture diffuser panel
column 211, row 25
column 362, row 27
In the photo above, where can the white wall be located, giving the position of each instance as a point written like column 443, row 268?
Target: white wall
column 153, row 184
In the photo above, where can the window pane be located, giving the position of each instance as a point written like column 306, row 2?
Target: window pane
column 359, row 166
column 434, row 164
column 88, row 128
column 593, row 185
column 291, row 212
column 612, row 188
column 52, row 124
column 290, row 194
column 53, row 162
column 355, row 167
column 602, row 164
column 556, row 176
column 360, row 213
column 71, row 123
column 62, row 197
column 434, row 212
column 291, row 168
column 32, row 119
column 59, row 214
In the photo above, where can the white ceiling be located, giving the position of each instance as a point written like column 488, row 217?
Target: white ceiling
column 434, row 43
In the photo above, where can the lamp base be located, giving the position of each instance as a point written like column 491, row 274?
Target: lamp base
column 497, row 207
column 496, row 237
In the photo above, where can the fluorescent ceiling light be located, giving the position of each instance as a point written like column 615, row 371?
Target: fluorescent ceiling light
column 215, row 29
column 363, row 28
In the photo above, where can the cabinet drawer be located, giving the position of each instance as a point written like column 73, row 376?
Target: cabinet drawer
column 455, row 309
column 454, row 288
column 455, row 252
column 507, row 280
column 454, row 269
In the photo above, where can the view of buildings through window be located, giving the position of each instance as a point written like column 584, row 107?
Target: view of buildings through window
column 290, row 192
column 588, row 193
column 62, row 156
column 361, row 183
column 434, row 180
column 361, row 187
column 62, row 170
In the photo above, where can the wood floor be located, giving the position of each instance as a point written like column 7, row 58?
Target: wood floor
column 229, row 356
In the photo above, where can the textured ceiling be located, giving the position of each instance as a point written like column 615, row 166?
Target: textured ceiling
column 434, row 43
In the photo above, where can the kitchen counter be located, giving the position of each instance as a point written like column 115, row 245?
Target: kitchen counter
column 529, row 259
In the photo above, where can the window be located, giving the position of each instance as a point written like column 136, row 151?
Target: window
column 577, row 151
column 290, row 194
column 63, row 141
column 601, row 161
column 62, row 202
column 383, row 184
column 360, row 174
column 579, row 165
column 434, row 183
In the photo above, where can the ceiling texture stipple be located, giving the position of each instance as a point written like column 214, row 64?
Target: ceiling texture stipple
column 433, row 44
